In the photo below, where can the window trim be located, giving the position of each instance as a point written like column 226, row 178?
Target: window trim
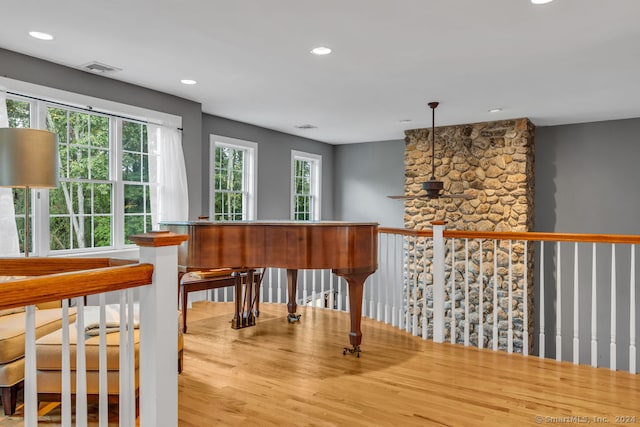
column 250, row 168
column 316, row 182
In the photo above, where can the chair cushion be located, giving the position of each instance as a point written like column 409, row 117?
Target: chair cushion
column 49, row 350
column 12, row 373
column 49, row 382
column 12, row 333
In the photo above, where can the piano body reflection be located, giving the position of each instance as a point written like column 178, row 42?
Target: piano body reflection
column 349, row 249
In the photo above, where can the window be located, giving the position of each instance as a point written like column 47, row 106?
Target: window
column 306, row 172
column 233, row 179
column 135, row 177
column 103, row 192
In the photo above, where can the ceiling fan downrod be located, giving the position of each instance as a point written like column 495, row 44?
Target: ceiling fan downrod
column 433, row 105
column 433, row 187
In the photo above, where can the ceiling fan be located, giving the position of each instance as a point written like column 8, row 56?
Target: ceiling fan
column 433, row 187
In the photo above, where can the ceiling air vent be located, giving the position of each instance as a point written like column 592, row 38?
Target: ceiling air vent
column 99, row 68
column 307, row 126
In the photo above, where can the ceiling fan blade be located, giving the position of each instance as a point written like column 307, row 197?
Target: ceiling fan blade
column 425, row 197
column 407, row 197
column 458, row 196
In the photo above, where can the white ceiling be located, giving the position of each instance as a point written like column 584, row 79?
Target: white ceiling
column 566, row 62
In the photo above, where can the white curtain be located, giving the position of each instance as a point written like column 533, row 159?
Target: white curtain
column 9, row 244
column 167, row 175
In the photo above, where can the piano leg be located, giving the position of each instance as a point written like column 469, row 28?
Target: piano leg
column 292, row 285
column 356, row 287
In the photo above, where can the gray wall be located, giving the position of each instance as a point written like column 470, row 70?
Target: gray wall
column 274, row 165
column 36, row 71
column 364, row 175
column 587, row 177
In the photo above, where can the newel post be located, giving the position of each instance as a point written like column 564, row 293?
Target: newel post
column 159, row 329
column 438, row 280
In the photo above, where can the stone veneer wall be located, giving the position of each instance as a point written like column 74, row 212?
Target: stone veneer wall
column 494, row 162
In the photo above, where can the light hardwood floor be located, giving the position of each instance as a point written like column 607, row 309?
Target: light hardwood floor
column 281, row 374
column 295, row 375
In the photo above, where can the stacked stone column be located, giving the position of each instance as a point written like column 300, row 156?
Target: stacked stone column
column 493, row 162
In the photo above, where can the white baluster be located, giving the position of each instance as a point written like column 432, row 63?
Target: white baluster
column 452, row 296
column 510, row 327
column 313, row 284
column 407, row 287
column 541, row 339
column 279, row 286
column 466, row 292
column 612, row 346
column 414, row 325
column 81, row 366
column 102, row 370
column 123, row 371
column 66, row 367
column 401, row 283
column 438, row 283
column 558, row 303
column 594, row 309
column 332, row 300
column 323, row 273
column 270, row 285
column 495, row 295
column 131, row 354
column 395, row 285
column 305, row 295
column 480, row 301
column 339, row 294
column 30, row 386
column 632, row 312
column 576, row 307
column 383, row 278
column 388, row 284
column 347, row 306
column 525, row 301
column 425, row 323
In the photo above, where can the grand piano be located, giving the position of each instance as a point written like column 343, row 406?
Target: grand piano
column 349, row 249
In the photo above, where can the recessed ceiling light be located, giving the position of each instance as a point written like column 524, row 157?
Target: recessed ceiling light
column 495, row 110
column 306, row 126
column 40, row 36
column 405, row 121
column 541, row 1
column 321, row 50
column 188, row 82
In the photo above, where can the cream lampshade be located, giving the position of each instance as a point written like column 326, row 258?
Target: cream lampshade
column 28, row 159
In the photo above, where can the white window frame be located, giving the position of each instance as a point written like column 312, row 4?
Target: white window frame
column 40, row 197
column 249, row 173
column 316, row 182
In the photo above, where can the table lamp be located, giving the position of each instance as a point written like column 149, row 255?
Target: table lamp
column 28, row 159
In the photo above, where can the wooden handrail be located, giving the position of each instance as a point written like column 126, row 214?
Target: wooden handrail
column 59, row 286
column 39, row 266
column 521, row 235
column 406, row 231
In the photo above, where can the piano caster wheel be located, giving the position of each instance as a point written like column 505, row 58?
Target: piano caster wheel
column 355, row 349
column 293, row 318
